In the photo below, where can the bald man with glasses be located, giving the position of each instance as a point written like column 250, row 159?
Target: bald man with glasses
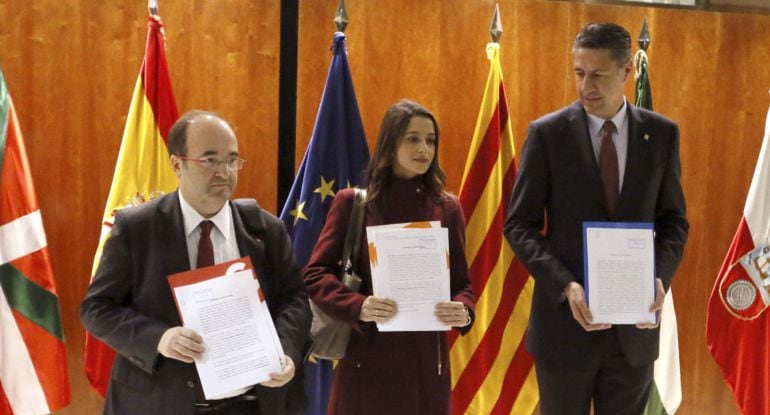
column 129, row 305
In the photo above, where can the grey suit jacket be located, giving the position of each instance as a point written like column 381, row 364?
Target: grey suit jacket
column 129, row 304
column 558, row 187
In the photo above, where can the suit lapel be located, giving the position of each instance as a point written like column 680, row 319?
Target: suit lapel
column 249, row 242
column 638, row 149
column 582, row 138
column 172, row 236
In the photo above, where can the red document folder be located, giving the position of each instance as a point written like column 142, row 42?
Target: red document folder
column 202, row 274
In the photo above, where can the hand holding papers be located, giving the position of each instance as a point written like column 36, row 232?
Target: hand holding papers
column 224, row 304
column 182, row 344
column 410, row 265
column 620, row 272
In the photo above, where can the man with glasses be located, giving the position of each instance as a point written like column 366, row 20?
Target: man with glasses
column 129, row 304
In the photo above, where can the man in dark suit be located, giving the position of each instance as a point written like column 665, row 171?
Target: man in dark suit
column 129, row 304
column 599, row 159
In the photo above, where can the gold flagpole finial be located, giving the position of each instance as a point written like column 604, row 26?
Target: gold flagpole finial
column 341, row 18
column 496, row 28
column 644, row 36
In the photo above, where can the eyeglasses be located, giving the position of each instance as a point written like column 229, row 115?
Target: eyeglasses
column 211, row 163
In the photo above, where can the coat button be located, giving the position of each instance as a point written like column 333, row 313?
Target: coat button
column 358, row 365
column 191, row 384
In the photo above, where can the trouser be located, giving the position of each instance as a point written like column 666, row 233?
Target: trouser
column 605, row 377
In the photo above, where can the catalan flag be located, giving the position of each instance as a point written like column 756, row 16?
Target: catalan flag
column 33, row 362
column 143, row 171
column 491, row 371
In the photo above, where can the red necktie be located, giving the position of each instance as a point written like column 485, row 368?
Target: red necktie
column 608, row 166
column 205, row 248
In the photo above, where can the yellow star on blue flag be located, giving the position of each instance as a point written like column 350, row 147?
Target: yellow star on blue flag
column 326, row 189
column 297, row 212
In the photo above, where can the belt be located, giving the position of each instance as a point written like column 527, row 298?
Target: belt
column 250, row 395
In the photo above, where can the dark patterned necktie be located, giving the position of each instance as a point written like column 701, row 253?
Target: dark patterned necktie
column 608, row 166
column 205, row 248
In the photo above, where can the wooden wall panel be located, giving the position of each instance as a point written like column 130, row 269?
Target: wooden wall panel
column 708, row 73
column 71, row 67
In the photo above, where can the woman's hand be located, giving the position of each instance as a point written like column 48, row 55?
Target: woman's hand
column 453, row 313
column 378, row 309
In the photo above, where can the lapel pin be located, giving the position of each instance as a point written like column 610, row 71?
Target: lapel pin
column 646, row 137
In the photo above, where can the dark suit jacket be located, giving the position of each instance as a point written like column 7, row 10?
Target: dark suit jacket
column 558, row 187
column 129, row 304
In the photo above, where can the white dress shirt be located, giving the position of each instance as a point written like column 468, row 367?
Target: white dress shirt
column 222, row 239
column 222, row 233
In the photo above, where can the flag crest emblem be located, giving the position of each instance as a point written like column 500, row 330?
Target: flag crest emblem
column 745, row 289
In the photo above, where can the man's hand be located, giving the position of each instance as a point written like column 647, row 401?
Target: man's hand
column 660, row 295
column 181, row 344
column 378, row 309
column 283, row 377
column 577, row 303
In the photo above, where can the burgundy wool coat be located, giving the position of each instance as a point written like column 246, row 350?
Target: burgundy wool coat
column 389, row 372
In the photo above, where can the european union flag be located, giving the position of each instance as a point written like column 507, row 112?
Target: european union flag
column 336, row 158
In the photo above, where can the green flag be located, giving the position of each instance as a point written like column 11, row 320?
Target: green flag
column 666, row 390
column 643, row 91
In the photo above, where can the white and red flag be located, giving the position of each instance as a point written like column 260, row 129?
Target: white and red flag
column 738, row 322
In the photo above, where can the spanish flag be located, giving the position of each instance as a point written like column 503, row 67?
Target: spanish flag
column 491, row 371
column 33, row 362
column 143, row 171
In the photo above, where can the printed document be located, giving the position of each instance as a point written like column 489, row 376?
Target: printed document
column 619, row 262
column 225, row 305
column 410, row 265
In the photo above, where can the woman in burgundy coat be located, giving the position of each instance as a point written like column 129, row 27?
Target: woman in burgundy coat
column 393, row 372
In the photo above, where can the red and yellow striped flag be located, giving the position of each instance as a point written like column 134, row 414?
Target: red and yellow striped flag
column 33, row 362
column 491, row 371
column 143, row 171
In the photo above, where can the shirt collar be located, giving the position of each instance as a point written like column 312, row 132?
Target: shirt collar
column 222, row 219
column 595, row 123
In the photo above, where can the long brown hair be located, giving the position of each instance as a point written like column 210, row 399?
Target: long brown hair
column 392, row 129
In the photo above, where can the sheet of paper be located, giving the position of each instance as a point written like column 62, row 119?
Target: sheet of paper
column 620, row 271
column 371, row 230
column 410, row 265
column 229, row 312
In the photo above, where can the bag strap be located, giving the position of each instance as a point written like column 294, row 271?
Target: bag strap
column 353, row 236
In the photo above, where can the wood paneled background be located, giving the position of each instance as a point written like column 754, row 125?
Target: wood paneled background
column 71, row 67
